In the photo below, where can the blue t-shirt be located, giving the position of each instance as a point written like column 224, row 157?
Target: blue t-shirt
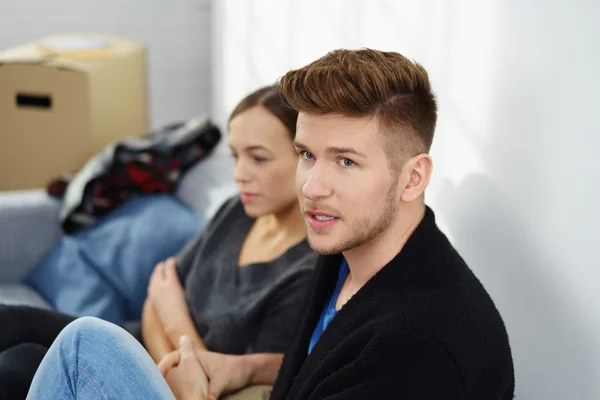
column 329, row 310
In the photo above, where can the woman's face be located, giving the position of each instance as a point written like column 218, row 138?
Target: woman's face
column 264, row 162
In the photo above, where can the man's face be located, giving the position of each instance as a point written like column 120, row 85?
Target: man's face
column 347, row 193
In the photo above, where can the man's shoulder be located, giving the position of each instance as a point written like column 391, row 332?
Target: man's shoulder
column 448, row 303
column 435, row 270
column 443, row 292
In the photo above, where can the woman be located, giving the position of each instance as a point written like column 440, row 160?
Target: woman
column 238, row 287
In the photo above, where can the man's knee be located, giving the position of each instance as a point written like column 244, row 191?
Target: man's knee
column 91, row 328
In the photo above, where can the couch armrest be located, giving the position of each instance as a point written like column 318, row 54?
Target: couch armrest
column 29, row 227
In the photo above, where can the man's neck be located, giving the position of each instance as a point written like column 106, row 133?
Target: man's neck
column 369, row 258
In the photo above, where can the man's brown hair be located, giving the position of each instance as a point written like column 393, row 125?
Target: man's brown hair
column 369, row 83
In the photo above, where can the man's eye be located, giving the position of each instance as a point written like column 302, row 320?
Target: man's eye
column 307, row 155
column 346, row 162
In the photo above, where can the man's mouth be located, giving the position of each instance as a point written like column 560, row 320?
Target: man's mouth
column 320, row 220
column 323, row 217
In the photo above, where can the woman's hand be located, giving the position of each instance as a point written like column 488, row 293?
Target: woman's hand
column 227, row 373
column 184, row 373
column 171, row 360
column 166, row 293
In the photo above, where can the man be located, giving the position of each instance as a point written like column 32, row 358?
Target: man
column 394, row 313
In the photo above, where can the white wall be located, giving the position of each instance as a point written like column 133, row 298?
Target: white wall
column 516, row 180
column 176, row 31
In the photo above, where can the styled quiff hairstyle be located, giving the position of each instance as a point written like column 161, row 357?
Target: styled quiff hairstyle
column 369, row 83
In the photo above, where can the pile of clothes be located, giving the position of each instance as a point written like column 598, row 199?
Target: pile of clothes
column 151, row 164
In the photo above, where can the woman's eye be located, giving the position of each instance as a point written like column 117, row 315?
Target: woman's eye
column 259, row 159
column 234, row 156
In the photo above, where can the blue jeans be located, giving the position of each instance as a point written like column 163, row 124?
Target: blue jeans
column 94, row 359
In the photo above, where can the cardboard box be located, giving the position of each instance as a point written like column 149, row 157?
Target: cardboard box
column 63, row 99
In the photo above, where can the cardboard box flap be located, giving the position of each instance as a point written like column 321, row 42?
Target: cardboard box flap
column 35, row 55
column 24, row 55
column 89, row 47
column 72, row 52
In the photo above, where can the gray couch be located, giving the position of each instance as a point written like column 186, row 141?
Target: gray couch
column 29, row 225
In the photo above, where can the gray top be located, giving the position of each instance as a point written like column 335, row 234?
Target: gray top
column 253, row 309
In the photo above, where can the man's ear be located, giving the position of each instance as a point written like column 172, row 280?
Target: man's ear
column 416, row 173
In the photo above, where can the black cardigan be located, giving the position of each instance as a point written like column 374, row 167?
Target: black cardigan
column 422, row 328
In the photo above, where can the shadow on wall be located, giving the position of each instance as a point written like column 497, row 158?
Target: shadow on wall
column 548, row 341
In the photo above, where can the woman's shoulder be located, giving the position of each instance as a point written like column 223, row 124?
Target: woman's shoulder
column 229, row 204
column 230, row 213
column 230, row 207
column 302, row 257
column 306, row 252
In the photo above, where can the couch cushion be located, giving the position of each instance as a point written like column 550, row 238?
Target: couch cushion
column 103, row 270
column 28, row 230
column 16, row 294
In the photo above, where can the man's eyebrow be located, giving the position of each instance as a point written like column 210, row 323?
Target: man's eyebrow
column 344, row 150
column 300, row 145
column 333, row 149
